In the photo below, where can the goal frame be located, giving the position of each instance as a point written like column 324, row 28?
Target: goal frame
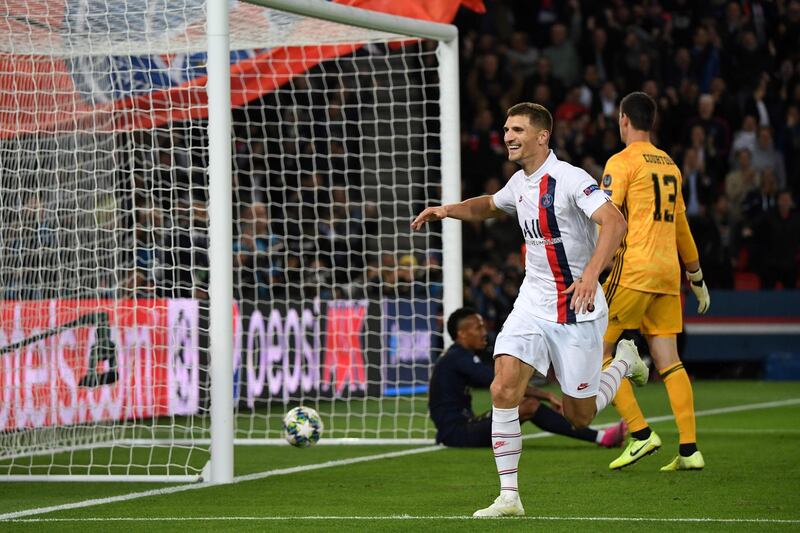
column 219, row 468
column 222, row 442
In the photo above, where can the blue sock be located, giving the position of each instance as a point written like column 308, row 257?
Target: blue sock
column 548, row 420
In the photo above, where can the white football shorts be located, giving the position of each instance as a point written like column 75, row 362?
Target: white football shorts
column 575, row 350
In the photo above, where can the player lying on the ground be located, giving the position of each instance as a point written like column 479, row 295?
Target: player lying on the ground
column 460, row 369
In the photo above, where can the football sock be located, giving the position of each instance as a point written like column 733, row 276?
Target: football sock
column 610, row 380
column 685, row 450
column 681, row 398
column 628, row 408
column 642, row 434
column 548, row 420
column 507, row 446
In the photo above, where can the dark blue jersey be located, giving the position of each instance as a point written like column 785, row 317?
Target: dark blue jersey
column 454, row 373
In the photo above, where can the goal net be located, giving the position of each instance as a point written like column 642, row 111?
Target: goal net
column 104, row 267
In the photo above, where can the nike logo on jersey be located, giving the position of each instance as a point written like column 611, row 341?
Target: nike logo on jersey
column 583, row 386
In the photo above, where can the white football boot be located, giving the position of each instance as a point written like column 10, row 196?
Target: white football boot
column 507, row 504
column 637, row 369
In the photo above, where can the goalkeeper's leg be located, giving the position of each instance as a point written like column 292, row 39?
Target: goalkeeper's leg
column 643, row 441
column 664, row 350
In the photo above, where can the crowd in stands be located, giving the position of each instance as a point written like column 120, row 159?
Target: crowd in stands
column 726, row 78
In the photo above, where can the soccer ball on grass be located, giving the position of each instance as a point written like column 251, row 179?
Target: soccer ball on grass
column 302, row 426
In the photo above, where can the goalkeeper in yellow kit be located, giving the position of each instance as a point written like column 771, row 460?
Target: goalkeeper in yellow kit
column 643, row 288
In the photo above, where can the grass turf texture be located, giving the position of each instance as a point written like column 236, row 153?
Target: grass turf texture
column 753, row 471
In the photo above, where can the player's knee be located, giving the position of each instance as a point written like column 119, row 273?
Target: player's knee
column 504, row 395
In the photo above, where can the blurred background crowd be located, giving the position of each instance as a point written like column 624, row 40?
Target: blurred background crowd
column 726, row 78
column 725, row 75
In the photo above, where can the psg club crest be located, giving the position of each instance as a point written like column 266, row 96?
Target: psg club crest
column 547, row 200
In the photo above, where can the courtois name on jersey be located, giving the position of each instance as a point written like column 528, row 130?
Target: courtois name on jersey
column 554, row 206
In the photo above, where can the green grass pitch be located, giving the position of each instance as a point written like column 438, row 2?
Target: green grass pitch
column 752, row 473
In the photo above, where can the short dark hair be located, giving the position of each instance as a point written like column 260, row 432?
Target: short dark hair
column 538, row 114
column 454, row 321
column 640, row 109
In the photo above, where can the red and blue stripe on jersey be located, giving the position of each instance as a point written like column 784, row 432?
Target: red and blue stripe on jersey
column 556, row 254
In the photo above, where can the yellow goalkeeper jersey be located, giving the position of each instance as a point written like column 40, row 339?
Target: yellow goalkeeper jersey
column 645, row 184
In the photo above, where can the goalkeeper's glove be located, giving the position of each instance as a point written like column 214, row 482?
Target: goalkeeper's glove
column 699, row 289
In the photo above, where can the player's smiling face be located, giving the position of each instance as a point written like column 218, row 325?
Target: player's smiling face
column 523, row 140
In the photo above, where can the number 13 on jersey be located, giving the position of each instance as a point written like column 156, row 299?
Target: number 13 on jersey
column 665, row 190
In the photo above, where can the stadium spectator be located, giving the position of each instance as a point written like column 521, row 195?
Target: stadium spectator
column 562, row 51
column 761, row 201
column 705, row 54
column 744, row 138
column 410, row 281
column 742, row 55
column 780, row 232
column 698, row 187
column 597, row 53
column 340, row 235
column 255, row 254
column 717, row 237
column 460, row 369
column 544, row 76
column 520, row 56
column 791, row 147
column 740, row 182
column 484, row 147
column 707, row 156
column 766, row 157
column 717, row 130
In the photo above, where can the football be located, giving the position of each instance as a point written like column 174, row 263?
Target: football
column 302, row 426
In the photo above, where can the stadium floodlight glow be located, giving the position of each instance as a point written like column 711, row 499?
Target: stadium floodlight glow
column 133, row 136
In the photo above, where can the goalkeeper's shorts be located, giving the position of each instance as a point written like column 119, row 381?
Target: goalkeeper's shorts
column 649, row 312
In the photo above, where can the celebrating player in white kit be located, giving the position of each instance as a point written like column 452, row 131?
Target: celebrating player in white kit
column 560, row 314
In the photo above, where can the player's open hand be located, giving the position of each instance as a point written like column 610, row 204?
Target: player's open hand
column 430, row 214
column 583, row 293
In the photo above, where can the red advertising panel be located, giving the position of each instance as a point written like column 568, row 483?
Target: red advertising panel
column 66, row 362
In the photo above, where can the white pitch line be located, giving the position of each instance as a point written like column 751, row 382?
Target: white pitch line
column 707, row 412
column 733, row 409
column 331, row 464
column 196, row 486
column 407, row 517
column 737, row 431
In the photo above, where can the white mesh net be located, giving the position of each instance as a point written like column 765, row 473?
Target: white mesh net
column 103, row 255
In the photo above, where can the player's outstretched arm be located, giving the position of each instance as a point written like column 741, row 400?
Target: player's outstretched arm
column 478, row 208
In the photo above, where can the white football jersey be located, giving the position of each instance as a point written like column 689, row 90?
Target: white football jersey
column 554, row 206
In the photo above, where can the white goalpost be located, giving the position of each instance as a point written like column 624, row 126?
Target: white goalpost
column 205, row 214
